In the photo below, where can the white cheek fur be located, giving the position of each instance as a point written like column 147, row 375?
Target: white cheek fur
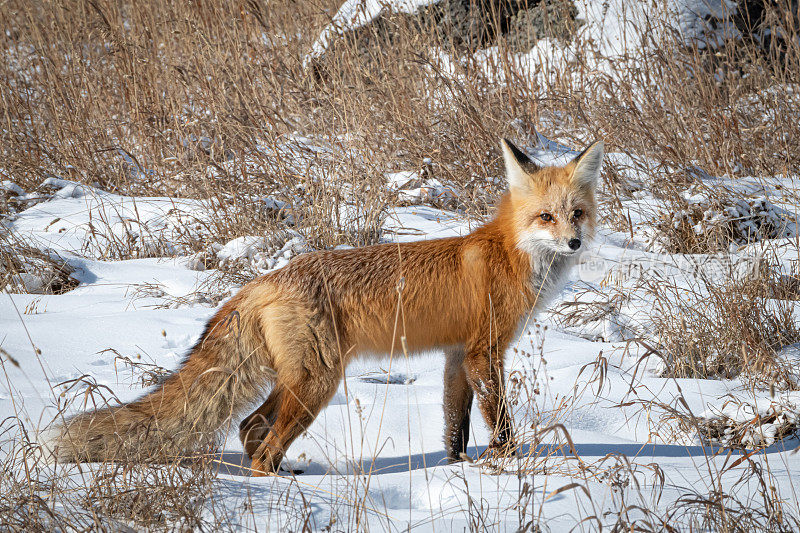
column 540, row 235
column 532, row 239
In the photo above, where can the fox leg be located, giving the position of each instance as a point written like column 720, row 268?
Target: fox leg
column 254, row 428
column 299, row 405
column 457, row 405
column 483, row 363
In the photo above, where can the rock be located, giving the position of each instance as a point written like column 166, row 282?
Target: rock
column 463, row 25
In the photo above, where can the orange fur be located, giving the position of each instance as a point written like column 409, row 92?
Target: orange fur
column 299, row 327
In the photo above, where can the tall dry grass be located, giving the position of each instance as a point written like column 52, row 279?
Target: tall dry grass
column 202, row 100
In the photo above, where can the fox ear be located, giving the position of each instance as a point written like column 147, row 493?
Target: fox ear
column 518, row 165
column 586, row 167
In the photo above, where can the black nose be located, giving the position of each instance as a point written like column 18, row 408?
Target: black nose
column 574, row 244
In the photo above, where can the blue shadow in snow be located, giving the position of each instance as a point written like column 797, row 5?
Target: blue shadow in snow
column 238, row 464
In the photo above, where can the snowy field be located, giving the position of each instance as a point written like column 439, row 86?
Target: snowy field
column 378, row 444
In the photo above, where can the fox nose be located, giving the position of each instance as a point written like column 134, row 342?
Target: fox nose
column 574, row 244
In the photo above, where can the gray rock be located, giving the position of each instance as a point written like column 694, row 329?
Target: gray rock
column 462, row 25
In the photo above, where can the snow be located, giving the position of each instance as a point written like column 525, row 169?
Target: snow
column 612, row 24
column 11, row 187
column 379, row 441
column 415, row 188
column 80, row 219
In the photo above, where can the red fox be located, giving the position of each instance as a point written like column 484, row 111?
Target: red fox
column 297, row 328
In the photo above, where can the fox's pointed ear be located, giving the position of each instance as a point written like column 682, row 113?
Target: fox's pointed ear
column 586, row 167
column 518, row 165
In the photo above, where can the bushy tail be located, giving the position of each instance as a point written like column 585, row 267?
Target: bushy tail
column 221, row 375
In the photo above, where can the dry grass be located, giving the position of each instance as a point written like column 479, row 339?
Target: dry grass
column 116, row 497
column 204, row 101
column 26, row 269
column 728, row 326
column 711, row 316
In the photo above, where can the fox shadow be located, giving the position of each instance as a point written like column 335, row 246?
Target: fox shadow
column 238, row 464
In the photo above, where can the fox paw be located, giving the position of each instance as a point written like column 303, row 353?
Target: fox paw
column 461, row 457
column 499, row 450
column 260, row 469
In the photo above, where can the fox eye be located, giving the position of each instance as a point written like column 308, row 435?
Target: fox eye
column 577, row 213
column 547, row 217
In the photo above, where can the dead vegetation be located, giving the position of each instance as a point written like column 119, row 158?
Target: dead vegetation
column 714, row 225
column 727, row 326
column 26, row 269
column 119, row 496
column 751, row 429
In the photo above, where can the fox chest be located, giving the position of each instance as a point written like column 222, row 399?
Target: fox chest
column 543, row 285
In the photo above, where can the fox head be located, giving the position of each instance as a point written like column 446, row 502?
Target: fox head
column 553, row 208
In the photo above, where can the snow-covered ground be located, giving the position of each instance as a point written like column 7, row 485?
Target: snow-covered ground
column 378, row 446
